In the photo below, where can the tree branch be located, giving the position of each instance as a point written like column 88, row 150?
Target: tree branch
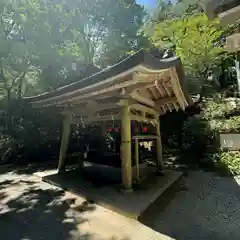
column 19, row 78
column 6, row 31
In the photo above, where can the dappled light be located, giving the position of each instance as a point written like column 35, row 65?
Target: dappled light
column 126, row 105
column 29, row 212
column 31, row 209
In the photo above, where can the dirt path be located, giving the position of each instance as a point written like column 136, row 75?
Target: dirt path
column 33, row 210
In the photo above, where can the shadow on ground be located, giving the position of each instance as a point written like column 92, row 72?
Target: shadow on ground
column 208, row 209
column 33, row 211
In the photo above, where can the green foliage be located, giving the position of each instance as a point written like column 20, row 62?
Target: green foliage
column 196, row 136
column 164, row 10
column 217, row 108
column 227, row 125
column 221, row 116
column 185, row 8
column 8, row 147
column 35, row 134
column 196, row 41
column 227, row 162
column 199, row 136
column 42, row 39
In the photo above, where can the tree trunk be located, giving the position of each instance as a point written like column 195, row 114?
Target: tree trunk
column 202, row 91
column 20, row 85
column 8, row 122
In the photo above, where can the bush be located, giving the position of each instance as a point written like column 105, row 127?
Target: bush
column 216, row 108
column 227, row 163
column 36, row 132
column 226, row 125
column 199, row 139
column 8, row 148
column 196, row 136
column 222, row 115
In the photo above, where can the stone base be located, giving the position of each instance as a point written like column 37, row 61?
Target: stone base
column 126, row 191
column 108, row 195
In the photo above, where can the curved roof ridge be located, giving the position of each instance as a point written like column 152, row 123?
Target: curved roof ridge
column 141, row 57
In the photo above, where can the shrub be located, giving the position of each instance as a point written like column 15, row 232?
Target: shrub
column 216, row 109
column 8, row 148
column 226, row 125
column 196, row 136
column 199, row 138
column 222, row 115
column 37, row 132
column 227, row 162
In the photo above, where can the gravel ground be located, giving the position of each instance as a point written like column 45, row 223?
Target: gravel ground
column 209, row 210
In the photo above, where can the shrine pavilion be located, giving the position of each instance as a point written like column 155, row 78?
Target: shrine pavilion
column 139, row 88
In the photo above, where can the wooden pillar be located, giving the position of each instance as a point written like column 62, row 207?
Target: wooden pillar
column 137, row 160
column 64, row 143
column 159, row 163
column 126, row 155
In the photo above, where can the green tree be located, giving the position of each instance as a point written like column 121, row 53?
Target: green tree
column 41, row 40
column 166, row 10
column 196, row 41
column 124, row 33
column 163, row 11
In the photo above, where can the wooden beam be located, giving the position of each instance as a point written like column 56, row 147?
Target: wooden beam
column 143, row 100
column 87, row 120
column 146, row 93
column 137, row 160
column 177, row 89
column 163, row 109
column 159, row 88
column 144, row 87
column 105, row 98
column 165, row 100
column 143, row 108
column 170, row 94
column 160, row 91
column 92, row 86
column 154, row 92
column 151, row 75
column 64, row 143
column 91, row 110
column 160, row 163
column 99, row 92
column 142, row 119
column 145, row 137
column 126, row 153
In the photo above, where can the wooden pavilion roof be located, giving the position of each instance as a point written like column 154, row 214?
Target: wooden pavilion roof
column 156, row 84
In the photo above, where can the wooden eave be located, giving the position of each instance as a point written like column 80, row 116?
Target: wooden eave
column 145, row 80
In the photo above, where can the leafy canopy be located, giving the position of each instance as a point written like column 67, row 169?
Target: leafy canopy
column 196, row 41
column 44, row 43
